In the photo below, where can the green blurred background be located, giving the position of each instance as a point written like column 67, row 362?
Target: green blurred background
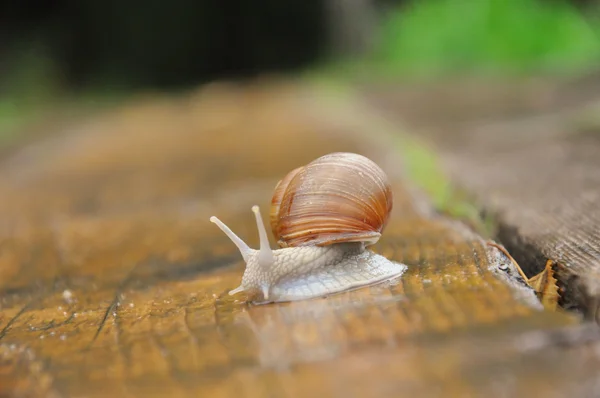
column 92, row 51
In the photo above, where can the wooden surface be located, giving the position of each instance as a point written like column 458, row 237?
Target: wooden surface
column 113, row 282
column 529, row 154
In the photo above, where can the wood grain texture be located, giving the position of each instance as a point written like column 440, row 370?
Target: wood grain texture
column 531, row 160
column 113, row 282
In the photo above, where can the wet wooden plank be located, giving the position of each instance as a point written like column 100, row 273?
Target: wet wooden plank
column 536, row 169
column 113, row 282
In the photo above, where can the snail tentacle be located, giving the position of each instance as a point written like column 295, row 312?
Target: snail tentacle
column 244, row 249
column 265, row 255
column 237, row 290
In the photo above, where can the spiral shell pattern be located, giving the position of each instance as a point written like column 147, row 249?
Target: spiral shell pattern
column 339, row 197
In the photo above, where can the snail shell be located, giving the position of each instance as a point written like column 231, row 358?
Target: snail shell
column 340, row 197
column 324, row 215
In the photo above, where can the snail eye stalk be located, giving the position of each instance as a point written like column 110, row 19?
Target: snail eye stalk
column 241, row 245
column 265, row 255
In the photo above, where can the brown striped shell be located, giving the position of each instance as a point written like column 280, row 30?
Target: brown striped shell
column 339, row 197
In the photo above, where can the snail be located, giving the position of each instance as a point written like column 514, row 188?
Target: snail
column 323, row 215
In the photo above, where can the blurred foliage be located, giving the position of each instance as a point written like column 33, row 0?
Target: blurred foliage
column 425, row 38
column 33, row 90
column 31, row 84
column 108, row 47
column 59, row 53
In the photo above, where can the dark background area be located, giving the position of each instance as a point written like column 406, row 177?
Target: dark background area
column 161, row 44
column 164, row 44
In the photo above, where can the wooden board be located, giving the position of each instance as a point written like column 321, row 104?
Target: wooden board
column 113, row 282
column 530, row 156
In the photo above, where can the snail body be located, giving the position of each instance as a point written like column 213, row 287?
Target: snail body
column 324, row 216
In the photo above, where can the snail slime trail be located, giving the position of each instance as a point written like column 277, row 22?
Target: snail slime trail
column 324, row 215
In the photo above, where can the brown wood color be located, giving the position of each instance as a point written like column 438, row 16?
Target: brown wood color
column 529, row 154
column 113, row 281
